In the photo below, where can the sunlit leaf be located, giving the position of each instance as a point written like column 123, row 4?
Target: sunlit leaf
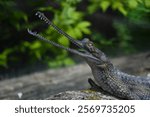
column 104, row 5
column 83, row 24
column 78, row 32
column 4, row 57
column 35, row 45
column 70, row 31
column 54, row 64
column 122, row 10
column 64, row 41
column 86, row 30
column 147, row 3
column 117, row 5
column 132, row 3
column 68, row 61
column 92, row 8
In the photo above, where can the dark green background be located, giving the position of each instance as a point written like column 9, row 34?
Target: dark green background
column 116, row 27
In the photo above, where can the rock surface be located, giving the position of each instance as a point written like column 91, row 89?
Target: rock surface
column 81, row 95
column 48, row 84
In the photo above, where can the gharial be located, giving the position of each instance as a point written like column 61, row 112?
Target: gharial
column 108, row 78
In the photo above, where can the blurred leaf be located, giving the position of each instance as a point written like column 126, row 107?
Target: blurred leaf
column 4, row 56
column 70, row 31
column 106, row 42
column 118, row 5
column 46, row 9
column 83, row 26
column 147, row 3
column 65, row 14
column 122, row 10
column 77, row 32
column 68, row 61
column 104, row 5
column 54, row 64
column 38, row 54
column 74, row 15
column 35, row 45
column 92, row 8
column 64, row 41
column 3, row 62
column 132, row 3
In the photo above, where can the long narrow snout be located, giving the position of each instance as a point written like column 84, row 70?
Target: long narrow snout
column 60, row 31
column 84, row 53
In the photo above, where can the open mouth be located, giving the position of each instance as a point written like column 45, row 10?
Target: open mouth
column 81, row 52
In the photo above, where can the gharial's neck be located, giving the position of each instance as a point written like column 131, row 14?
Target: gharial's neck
column 102, row 70
column 102, row 75
column 104, row 66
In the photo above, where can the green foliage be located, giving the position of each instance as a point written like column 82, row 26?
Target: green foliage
column 71, row 21
column 101, row 40
column 139, row 18
column 123, row 37
column 66, row 15
column 133, row 33
column 14, row 23
column 9, row 11
column 10, row 19
column 4, row 57
column 123, row 6
column 137, row 14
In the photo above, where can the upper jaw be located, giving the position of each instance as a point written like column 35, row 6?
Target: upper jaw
column 78, row 43
column 83, row 52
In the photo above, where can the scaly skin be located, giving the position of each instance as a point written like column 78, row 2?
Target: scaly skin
column 121, row 84
column 107, row 77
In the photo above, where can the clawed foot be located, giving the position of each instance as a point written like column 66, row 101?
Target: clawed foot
column 94, row 86
column 97, row 88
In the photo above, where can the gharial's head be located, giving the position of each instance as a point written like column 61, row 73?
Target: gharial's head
column 87, row 50
column 94, row 54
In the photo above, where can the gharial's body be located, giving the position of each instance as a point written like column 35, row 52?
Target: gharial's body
column 107, row 77
column 117, row 83
column 121, row 84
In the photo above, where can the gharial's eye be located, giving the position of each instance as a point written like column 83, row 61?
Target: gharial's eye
column 90, row 47
column 90, row 44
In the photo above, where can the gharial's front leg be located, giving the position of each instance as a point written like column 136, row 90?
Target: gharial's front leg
column 97, row 88
column 94, row 86
column 119, row 91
